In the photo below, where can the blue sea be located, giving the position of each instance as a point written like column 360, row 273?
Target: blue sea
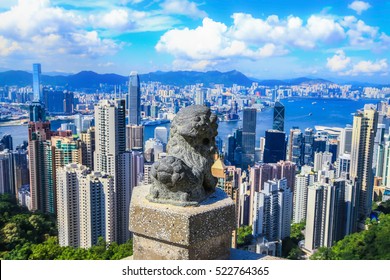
column 299, row 112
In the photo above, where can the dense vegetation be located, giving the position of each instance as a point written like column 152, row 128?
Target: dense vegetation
column 371, row 244
column 244, row 236
column 290, row 248
column 25, row 235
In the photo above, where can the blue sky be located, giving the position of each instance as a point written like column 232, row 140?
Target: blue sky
column 339, row 40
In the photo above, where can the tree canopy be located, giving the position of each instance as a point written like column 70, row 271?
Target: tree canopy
column 370, row 244
column 26, row 235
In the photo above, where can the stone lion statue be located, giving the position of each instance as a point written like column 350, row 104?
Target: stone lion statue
column 184, row 177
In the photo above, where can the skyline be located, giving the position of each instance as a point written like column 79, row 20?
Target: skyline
column 341, row 41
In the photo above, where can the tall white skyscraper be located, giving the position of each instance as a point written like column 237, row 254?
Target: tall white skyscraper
column 111, row 158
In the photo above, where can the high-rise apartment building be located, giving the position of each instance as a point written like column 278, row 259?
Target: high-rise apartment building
column 111, row 158
column 40, row 160
column 264, row 172
column 86, row 206
column 302, row 181
column 248, row 137
column 21, row 172
column 97, row 209
column 68, row 212
column 64, row 151
column 278, row 119
column 87, row 143
column 326, row 214
column 273, row 210
column 362, row 148
column 134, row 99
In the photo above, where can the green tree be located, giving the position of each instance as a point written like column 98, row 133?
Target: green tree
column 322, row 253
column 48, row 250
column 244, row 235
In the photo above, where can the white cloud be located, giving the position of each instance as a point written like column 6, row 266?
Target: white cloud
column 368, row 67
column 291, row 32
column 7, row 47
column 127, row 20
column 249, row 37
column 359, row 6
column 360, row 34
column 210, row 43
column 338, row 62
column 182, row 7
column 41, row 29
column 344, row 66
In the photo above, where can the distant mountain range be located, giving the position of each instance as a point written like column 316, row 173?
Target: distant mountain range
column 89, row 79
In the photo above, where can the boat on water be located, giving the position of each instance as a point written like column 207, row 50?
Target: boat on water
column 314, row 102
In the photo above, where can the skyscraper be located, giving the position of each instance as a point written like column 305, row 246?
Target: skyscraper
column 326, row 214
column 362, row 148
column 38, row 97
column 68, row 214
column 21, row 172
column 302, row 181
column 39, row 149
column 111, row 158
column 97, row 210
column 345, row 140
column 134, row 137
column 308, row 146
column 278, row 120
column 275, row 146
column 273, row 210
column 86, row 209
column 248, row 137
column 134, row 99
column 37, row 112
column 295, row 147
column 88, row 147
column 6, row 172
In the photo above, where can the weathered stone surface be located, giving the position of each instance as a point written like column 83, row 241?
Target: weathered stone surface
column 163, row 231
column 184, row 177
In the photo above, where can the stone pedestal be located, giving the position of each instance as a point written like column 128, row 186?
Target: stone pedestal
column 167, row 232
